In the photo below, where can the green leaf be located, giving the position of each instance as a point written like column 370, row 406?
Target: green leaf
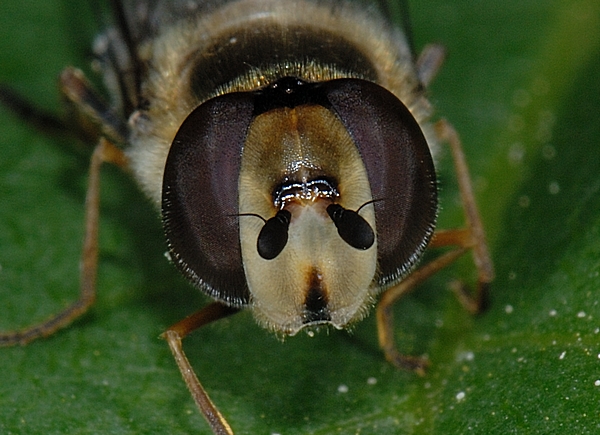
column 520, row 84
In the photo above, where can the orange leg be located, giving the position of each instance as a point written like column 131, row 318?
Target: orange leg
column 95, row 120
column 471, row 237
column 93, row 116
column 173, row 335
column 104, row 152
column 481, row 256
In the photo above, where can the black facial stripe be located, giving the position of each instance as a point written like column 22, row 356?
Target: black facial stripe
column 316, row 305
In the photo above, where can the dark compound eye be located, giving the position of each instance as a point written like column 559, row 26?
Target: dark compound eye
column 400, row 169
column 200, row 196
column 274, row 235
column 352, row 227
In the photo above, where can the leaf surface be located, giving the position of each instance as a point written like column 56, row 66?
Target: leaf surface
column 521, row 86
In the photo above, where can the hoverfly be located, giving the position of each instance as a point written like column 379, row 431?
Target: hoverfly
column 288, row 147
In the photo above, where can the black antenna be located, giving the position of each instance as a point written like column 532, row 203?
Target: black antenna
column 352, row 227
column 274, row 234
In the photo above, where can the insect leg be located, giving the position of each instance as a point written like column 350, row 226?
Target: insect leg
column 104, row 152
column 174, row 335
column 385, row 319
column 464, row 239
column 473, row 236
column 91, row 112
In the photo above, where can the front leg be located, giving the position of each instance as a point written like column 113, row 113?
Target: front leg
column 174, row 335
column 472, row 237
column 105, row 152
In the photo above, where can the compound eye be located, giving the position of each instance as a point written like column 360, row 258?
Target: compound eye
column 400, row 170
column 352, row 227
column 200, row 196
column 274, row 235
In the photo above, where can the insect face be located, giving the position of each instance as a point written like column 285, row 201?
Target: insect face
column 306, row 161
column 317, row 277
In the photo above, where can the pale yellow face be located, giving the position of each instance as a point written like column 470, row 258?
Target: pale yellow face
column 317, row 277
